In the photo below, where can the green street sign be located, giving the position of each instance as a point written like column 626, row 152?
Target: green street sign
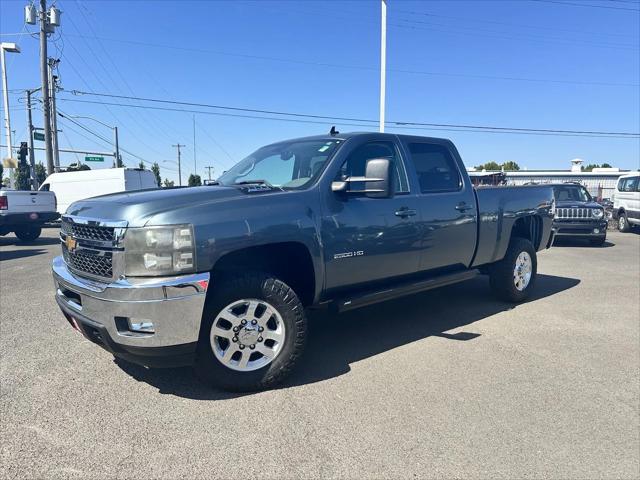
column 94, row 159
column 38, row 136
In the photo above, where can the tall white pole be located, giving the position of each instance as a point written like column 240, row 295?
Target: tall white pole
column 7, row 119
column 383, row 60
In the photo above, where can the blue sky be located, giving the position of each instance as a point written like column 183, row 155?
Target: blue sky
column 570, row 65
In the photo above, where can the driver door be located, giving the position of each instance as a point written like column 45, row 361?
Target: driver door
column 370, row 239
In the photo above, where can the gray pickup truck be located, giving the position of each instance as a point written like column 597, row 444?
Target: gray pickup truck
column 220, row 276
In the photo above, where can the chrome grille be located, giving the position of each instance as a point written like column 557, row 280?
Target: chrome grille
column 84, row 261
column 88, row 232
column 573, row 213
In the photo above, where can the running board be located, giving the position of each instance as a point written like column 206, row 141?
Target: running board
column 370, row 297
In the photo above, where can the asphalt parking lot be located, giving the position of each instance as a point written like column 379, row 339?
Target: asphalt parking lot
column 448, row 383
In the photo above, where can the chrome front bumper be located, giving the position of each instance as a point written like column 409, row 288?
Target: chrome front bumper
column 172, row 305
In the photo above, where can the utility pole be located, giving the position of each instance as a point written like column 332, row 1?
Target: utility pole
column 44, row 74
column 178, row 146
column 195, row 167
column 116, row 161
column 53, row 84
column 7, row 47
column 209, row 168
column 32, row 157
column 383, row 60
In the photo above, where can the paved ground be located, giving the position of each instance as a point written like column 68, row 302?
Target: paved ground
column 449, row 383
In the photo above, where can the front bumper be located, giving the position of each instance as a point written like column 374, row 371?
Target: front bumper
column 580, row 229
column 28, row 218
column 107, row 313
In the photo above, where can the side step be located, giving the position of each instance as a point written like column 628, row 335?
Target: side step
column 362, row 299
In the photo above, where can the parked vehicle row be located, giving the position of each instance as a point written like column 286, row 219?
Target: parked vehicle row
column 220, row 276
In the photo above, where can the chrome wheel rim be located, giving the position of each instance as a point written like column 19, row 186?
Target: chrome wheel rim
column 522, row 271
column 621, row 223
column 247, row 334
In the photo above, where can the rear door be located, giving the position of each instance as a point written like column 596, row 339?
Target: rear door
column 370, row 239
column 446, row 202
column 629, row 197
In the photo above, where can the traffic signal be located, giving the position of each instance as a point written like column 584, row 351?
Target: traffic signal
column 22, row 154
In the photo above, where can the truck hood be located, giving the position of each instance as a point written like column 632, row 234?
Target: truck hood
column 138, row 207
column 575, row 204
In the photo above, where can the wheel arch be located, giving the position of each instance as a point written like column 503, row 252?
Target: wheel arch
column 289, row 261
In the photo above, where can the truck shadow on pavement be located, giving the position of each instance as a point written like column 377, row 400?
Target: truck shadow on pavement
column 14, row 241
column 337, row 341
column 22, row 253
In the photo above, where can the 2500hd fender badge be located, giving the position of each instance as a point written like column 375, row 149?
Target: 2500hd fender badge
column 355, row 253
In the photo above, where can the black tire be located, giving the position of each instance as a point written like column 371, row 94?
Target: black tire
column 501, row 274
column 260, row 286
column 623, row 223
column 28, row 233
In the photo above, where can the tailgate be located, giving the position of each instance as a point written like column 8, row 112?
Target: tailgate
column 27, row 201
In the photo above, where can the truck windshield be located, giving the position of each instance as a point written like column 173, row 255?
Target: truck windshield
column 287, row 165
column 570, row 193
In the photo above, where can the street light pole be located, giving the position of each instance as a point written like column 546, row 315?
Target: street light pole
column 383, row 60
column 116, row 143
column 7, row 47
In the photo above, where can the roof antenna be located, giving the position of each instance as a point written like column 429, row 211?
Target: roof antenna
column 333, row 132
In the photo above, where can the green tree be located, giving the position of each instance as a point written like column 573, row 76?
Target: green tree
column 605, row 165
column 489, row 166
column 510, row 165
column 41, row 173
column 155, row 168
column 194, row 180
column 23, row 177
column 590, row 167
column 168, row 183
column 141, row 165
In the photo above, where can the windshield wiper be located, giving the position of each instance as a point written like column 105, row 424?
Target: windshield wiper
column 257, row 182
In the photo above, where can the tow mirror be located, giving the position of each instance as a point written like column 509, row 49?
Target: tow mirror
column 376, row 182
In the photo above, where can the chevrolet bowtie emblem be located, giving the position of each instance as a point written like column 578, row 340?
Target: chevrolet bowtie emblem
column 71, row 243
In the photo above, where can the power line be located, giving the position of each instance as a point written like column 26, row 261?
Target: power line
column 572, row 4
column 352, row 119
column 360, row 67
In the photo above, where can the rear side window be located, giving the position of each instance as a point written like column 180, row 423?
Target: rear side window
column 44, row 188
column 436, row 169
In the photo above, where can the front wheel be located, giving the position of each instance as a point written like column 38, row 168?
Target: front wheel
column 623, row 223
column 512, row 278
column 28, row 233
column 253, row 333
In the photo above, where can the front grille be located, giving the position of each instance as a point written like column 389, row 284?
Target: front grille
column 96, row 264
column 574, row 213
column 88, row 232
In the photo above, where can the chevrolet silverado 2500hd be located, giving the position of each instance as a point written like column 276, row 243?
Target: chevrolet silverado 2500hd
column 220, row 276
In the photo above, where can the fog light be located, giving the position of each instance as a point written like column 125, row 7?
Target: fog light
column 596, row 230
column 141, row 327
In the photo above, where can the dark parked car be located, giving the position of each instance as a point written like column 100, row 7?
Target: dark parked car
column 578, row 215
column 220, row 276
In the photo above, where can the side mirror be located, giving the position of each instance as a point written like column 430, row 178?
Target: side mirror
column 377, row 180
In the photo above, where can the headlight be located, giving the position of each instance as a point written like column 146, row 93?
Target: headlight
column 597, row 213
column 159, row 251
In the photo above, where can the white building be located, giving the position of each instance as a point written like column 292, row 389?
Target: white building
column 600, row 182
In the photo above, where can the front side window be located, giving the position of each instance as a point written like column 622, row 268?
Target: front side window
column 436, row 168
column 288, row 165
column 571, row 193
column 356, row 163
column 630, row 184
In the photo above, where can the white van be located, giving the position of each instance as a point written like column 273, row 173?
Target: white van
column 70, row 187
column 626, row 201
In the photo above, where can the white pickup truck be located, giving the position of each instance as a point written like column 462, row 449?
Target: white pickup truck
column 24, row 212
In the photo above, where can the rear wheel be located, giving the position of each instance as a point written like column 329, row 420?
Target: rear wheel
column 28, row 233
column 512, row 278
column 252, row 333
column 623, row 223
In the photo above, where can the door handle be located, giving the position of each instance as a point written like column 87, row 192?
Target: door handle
column 463, row 207
column 405, row 212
